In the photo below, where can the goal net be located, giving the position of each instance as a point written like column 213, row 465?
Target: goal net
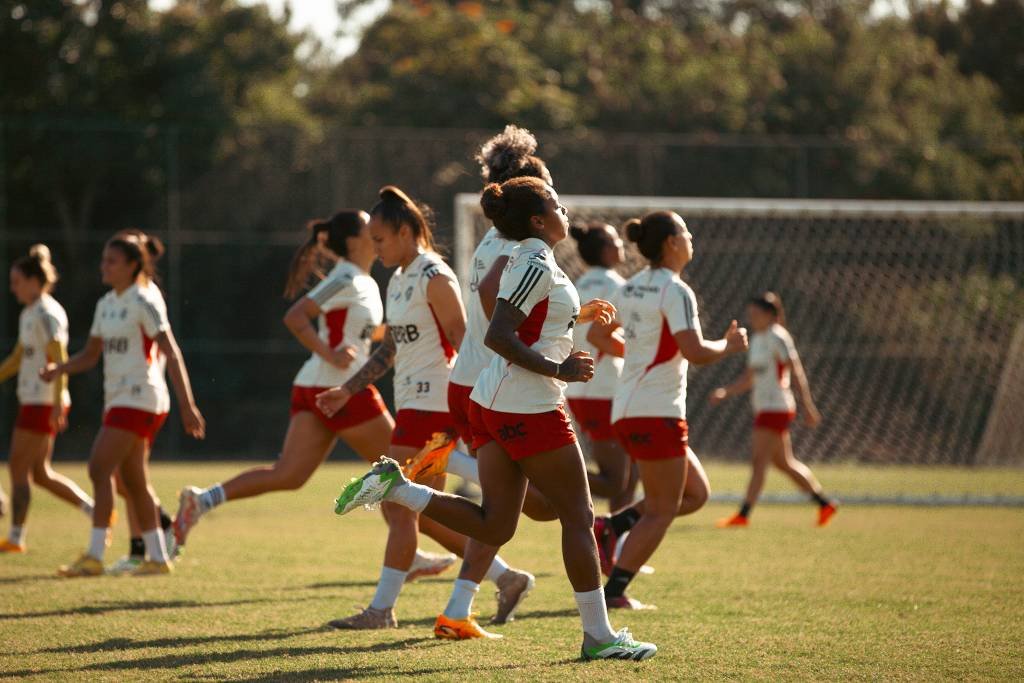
column 908, row 317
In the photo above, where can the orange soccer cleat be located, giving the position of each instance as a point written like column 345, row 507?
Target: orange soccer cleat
column 461, row 629
column 432, row 458
column 825, row 513
column 736, row 520
column 8, row 547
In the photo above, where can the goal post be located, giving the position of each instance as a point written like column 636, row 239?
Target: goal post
column 904, row 313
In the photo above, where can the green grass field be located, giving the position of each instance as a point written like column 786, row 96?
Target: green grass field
column 883, row 593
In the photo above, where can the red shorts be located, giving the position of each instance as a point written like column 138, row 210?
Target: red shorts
column 140, row 422
column 594, row 416
column 365, row 405
column 415, row 427
column 36, row 418
column 653, row 438
column 458, row 408
column 521, row 435
column 776, row 421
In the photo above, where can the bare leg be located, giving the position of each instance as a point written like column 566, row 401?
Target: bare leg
column 135, row 475
column 797, row 471
column 697, row 489
column 613, row 469
column 628, row 494
column 27, row 448
column 765, row 444
column 664, row 482
column 111, row 446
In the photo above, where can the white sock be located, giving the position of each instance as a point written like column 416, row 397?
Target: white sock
column 98, row 542
column 212, row 497
column 594, row 614
column 461, row 601
column 497, row 568
column 411, row 495
column 86, row 507
column 465, row 466
column 17, row 535
column 154, row 540
column 388, row 587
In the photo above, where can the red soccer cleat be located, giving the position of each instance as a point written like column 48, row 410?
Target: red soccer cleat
column 825, row 514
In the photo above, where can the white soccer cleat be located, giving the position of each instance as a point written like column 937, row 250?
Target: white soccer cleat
column 623, row 647
column 369, row 490
column 125, row 566
column 429, row 564
column 190, row 509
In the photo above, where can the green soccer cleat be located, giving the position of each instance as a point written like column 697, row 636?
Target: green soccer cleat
column 369, row 490
column 623, row 647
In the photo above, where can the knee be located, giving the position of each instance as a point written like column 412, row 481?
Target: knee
column 581, row 516
column 100, row 474
column 290, row 478
column 498, row 535
column 21, row 491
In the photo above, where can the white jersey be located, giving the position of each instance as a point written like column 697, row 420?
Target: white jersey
column 770, row 356
column 533, row 283
column 133, row 367
column 423, row 355
column 653, row 306
column 596, row 283
column 39, row 324
column 473, row 355
column 350, row 310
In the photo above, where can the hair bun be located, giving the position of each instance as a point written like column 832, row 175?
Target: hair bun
column 40, row 252
column 634, row 229
column 391, row 192
column 494, row 202
column 578, row 232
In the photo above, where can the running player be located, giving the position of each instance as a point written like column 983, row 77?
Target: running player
column 520, row 427
column 129, row 330
column 426, row 322
column 42, row 338
column 771, row 362
column 600, row 247
column 347, row 307
column 663, row 335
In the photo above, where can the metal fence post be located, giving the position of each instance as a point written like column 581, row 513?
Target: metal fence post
column 175, row 290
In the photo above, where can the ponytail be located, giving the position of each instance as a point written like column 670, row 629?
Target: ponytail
column 396, row 209
column 650, row 233
column 591, row 241
column 310, row 260
column 37, row 265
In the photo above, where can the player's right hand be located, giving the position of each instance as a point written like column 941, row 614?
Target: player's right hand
column 331, row 401
column 578, row 367
column 736, row 338
column 717, row 396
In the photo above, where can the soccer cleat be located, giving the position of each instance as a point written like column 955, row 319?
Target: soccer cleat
column 153, row 568
column 461, row 629
column 369, row 618
column 432, row 458
column 126, row 565
column 825, row 513
column 8, row 546
column 429, row 564
column 171, row 546
column 370, row 489
column 190, row 509
column 735, row 520
column 513, row 587
column 623, row 647
column 86, row 565
column 606, row 542
column 626, row 602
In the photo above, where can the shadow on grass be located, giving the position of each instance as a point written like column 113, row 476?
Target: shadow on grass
column 394, row 672
column 139, row 605
column 188, row 658
column 27, row 578
column 184, row 641
column 334, row 584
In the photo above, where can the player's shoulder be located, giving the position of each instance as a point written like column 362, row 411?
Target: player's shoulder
column 431, row 264
column 780, row 333
column 344, row 273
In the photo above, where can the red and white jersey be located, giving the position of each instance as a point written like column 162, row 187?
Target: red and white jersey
column 770, row 357
column 133, row 367
column 653, row 306
column 39, row 324
column 350, row 310
column 423, row 355
column 533, row 283
column 473, row 355
column 596, row 283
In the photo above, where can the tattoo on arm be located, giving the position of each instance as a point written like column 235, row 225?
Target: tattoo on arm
column 379, row 363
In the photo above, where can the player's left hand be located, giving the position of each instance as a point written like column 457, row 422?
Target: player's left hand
column 194, row 423
column 598, row 311
column 58, row 420
column 812, row 418
column 331, row 401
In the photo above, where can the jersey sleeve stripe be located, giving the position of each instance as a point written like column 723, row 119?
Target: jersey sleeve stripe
column 151, row 309
column 688, row 305
column 329, row 290
column 522, row 283
column 520, row 299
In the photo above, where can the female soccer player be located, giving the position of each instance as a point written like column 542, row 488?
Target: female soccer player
column 658, row 312
column 42, row 338
column 519, row 424
column 600, row 247
column 771, row 362
column 347, row 306
column 426, row 322
column 130, row 330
